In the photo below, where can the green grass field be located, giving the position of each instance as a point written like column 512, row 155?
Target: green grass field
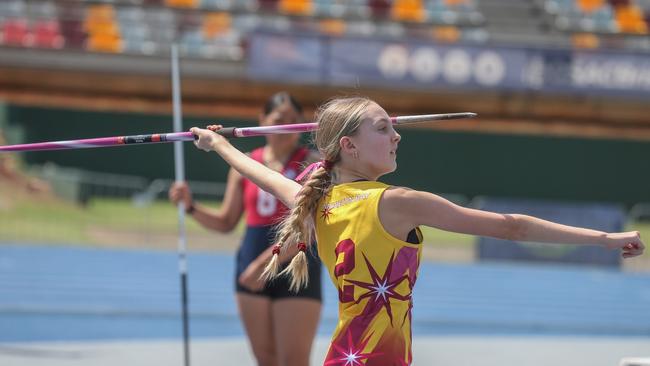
column 62, row 222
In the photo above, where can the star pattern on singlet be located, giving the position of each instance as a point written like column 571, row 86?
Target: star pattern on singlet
column 351, row 354
column 381, row 289
column 325, row 213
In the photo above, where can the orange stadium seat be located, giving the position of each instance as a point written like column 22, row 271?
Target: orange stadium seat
column 452, row 3
column 630, row 19
column 408, row 10
column 182, row 3
column 104, row 43
column 296, row 7
column 103, row 31
column 333, row 27
column 215, row 24
column 590, row 6
column 100, row 12
column 102, row 27
column 585, row 40
column 447, row 34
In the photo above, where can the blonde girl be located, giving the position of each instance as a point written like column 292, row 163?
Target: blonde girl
column 367, row 232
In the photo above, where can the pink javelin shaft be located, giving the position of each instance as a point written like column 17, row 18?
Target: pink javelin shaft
column 227, row 132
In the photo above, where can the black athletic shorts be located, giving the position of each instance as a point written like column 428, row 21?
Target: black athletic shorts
column 256, row 240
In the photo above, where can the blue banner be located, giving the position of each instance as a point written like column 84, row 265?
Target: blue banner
column 285, row 58
column 608, row 218
column 420, row 65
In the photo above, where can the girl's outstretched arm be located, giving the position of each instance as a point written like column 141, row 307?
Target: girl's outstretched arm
column 424, row 208
column 269, row 180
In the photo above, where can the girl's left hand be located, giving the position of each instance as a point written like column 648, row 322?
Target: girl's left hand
column 629, row 243
column 207, row 138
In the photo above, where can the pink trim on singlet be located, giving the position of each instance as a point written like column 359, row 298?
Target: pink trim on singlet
column 261, row 207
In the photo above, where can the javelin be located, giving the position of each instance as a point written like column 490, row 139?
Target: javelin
column 230, row 132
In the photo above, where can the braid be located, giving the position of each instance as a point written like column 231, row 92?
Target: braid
column 297, row 229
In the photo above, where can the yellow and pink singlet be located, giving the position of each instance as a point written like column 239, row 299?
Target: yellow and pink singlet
column 374, row 273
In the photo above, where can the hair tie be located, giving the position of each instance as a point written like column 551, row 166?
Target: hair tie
column 276, row 249
column 328, row 165
column 302, row 247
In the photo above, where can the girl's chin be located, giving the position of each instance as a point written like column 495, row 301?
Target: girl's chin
column 391, row 168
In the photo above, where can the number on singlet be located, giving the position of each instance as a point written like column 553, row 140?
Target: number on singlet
column 344, row 264
column 344, row 257
column 266, row 203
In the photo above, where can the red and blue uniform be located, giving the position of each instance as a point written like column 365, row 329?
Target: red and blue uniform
column 263, row 212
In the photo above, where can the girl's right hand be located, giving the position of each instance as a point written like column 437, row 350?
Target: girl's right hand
column 180, row 191
column 629, row 243
column 207, row 138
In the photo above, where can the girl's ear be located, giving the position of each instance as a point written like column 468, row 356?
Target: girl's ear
column 347, row 145
column 260, row 119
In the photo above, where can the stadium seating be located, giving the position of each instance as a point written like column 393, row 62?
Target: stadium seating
column 600, row 16
column 218, row 28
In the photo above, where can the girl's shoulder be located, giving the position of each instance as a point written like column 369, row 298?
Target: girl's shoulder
column 396, row 193
column 402, row 198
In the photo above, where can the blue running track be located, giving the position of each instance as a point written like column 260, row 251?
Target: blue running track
column 66, row 293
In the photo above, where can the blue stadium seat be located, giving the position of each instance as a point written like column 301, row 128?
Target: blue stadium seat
column 130, row 15
column 47, row 10
column 357, row 8
column 246, row 23
column 138, row 39
column 475, row 35
column 13, row 8
column 216, row 4
column 330, row 8
column 390, row 29
column 248, row 5
column 160, row 17
column 364, row 28
column 275, row 23
column 191, row 43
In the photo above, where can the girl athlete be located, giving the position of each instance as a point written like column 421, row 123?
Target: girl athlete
column 367, row 232
column 280, row 324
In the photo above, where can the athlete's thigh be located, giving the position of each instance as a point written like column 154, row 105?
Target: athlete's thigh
column 295, row 322
column 256, row 315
